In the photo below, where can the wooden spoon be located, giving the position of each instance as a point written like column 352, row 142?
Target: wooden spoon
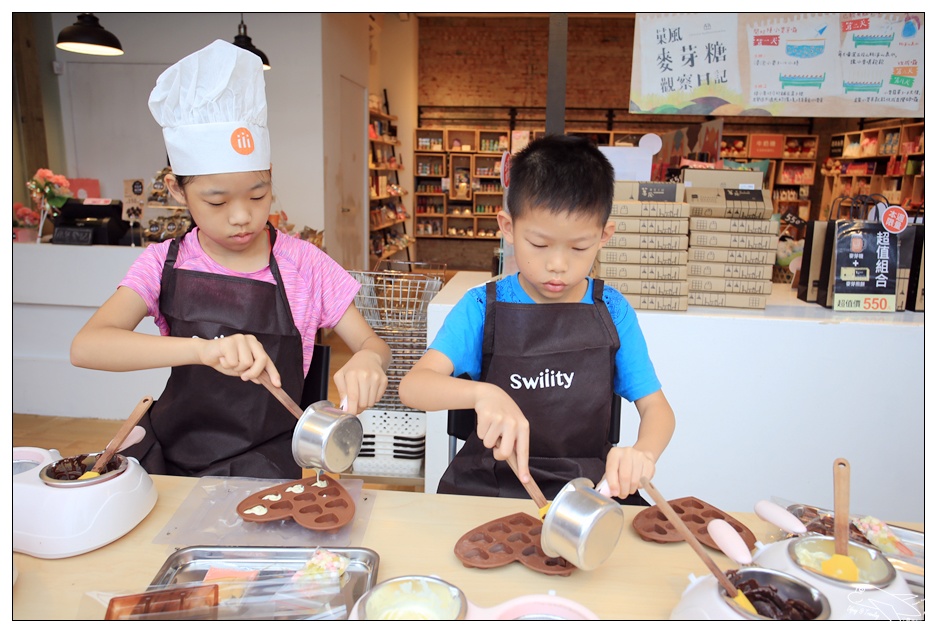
column 532, row 488
column 840, row 565
column 281, row 395
column 739, row 597
column 118, row 439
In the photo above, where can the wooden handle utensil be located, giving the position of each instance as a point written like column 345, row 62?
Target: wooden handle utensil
column 119, row 438
column 739, row 597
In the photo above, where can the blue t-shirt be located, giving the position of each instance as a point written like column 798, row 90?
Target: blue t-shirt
column 462, row 334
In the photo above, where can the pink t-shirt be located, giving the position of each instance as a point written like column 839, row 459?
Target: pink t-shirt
column 318, row 289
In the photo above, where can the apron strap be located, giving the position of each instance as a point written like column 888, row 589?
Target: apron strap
column 487, row 347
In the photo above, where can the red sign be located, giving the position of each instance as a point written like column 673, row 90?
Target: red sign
column 766, row 40
column 766, row 146
column 894, row 219
column 856, row 25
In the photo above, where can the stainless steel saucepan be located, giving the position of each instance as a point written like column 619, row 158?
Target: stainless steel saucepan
column 325, row 436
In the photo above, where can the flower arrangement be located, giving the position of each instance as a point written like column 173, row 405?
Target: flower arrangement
column 49, row 192
column 24, row 216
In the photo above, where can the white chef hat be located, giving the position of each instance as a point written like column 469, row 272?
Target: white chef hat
column 212, row 108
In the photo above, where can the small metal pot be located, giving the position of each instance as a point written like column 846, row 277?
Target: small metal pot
column 327, row 438
column 787, row 587
column 67, row 472
column 873, row 566
column 581, row 525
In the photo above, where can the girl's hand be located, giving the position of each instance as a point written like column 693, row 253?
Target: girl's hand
column 362, row 380
column 625, row 467
column 239, row 355
column 503, row 428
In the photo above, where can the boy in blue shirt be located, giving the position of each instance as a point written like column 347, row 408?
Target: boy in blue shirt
column 545, row 347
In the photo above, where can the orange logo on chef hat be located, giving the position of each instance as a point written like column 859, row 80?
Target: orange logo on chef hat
column 242, row 141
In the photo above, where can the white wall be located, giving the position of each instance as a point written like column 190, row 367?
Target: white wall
column 398, row 73
column 294, row 88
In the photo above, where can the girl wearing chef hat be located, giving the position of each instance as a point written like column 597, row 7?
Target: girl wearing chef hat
column 233, row 298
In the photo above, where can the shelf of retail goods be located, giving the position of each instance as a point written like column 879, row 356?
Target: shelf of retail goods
column 388, row 215
column 886, row 161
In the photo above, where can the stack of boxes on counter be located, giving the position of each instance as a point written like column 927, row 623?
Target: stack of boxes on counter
column 646, row 258
column 732, row 247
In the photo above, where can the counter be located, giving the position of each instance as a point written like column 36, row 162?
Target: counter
column 413, row 534
column 766, row 400
column 56, row 289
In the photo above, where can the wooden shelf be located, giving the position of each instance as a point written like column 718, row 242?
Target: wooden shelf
column 380, row 116
column 388, row 225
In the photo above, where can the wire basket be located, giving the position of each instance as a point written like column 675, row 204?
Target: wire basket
column 395, row 300
column 430, row 269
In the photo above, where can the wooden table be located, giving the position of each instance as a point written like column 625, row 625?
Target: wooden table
column 412, row 533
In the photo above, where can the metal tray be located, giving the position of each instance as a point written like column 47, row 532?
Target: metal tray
column 189, row 565
column 910, row 567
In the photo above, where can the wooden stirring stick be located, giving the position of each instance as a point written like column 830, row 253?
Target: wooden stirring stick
column 532, row 488
column 739, row 597
column 281, row 395
column 119, row 438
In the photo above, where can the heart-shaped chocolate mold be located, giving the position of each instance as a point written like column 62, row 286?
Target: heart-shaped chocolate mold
column 514, row 538
column 315, row 507
column 651, row 525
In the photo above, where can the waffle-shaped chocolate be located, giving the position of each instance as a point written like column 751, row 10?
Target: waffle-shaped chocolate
column 308, row 501
column 509, row 539
column 651, row 525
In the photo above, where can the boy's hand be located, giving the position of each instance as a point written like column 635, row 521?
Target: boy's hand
column 239, row 355
column 503, row 428
column 362, row 381
column 625, row 467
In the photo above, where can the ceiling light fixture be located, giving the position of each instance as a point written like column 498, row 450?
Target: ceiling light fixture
column 244, row 42
column 88, row 37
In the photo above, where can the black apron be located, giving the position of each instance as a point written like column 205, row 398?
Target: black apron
column 206, row 423
column 561, row 356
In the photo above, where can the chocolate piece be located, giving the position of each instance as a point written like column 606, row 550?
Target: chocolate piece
column 651, row 525
column 825, row 525
column 71, row 468
column 768, row 603
column 319, row 508
column 513, row 538
column 190, row 603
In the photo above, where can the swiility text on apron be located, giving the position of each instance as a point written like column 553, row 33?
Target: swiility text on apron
column 556, row 361
column 206, row 423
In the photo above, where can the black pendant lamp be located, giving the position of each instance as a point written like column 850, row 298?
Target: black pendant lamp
column 88, row 37
column 244, row 42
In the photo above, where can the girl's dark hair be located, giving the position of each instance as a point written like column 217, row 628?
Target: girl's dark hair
column 561, row 174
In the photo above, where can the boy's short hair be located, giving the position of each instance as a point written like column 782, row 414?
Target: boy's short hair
column 561, row 174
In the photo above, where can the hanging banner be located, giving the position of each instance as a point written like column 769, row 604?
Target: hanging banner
column 778, row 64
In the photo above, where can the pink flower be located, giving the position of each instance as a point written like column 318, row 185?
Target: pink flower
column 43, row 174
column 60, row 181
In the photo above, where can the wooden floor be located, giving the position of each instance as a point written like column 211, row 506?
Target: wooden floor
column 72, row 436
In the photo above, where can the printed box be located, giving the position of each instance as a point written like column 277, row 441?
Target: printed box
column 733, row 240
column 723, row 299
column 656, row 288
column 737, row 203
column 730, row 286
column 653, row 242
column 652, row 225
column 658, row 303
column 731, row 271
column 643, row 257
column 649, row 209
column 734, row 225
column 631, row 190
column 633, row 271
column 729, row 255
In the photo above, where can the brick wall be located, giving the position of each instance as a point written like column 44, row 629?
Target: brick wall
column 503, row 61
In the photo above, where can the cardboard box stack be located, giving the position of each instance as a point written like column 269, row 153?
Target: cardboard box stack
column 732, row 247
column 646, row 258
